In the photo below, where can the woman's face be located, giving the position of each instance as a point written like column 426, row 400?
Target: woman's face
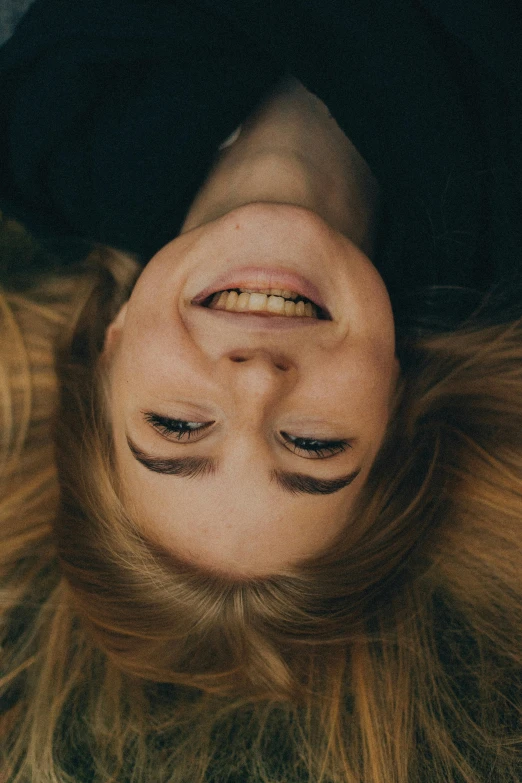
column 243, row 494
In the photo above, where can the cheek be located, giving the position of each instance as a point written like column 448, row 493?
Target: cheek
column 361, row 381
column 152, row 349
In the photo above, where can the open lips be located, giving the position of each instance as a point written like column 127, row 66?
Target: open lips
column 265, row 301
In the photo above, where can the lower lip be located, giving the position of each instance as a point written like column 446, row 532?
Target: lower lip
column 263, row 277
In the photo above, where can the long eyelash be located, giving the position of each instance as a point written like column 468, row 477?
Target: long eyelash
column 321, row 448
column 178, row 427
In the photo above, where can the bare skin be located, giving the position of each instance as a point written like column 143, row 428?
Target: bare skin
column 292, row 151
column 290, row 196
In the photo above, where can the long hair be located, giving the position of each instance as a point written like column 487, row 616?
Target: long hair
column 394, row 656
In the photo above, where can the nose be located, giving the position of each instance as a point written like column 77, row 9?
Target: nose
column 273, row 360
column 257, row 379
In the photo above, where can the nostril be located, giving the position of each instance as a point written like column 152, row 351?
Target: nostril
column 280, row 363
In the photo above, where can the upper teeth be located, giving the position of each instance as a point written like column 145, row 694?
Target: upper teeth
column 273, row 300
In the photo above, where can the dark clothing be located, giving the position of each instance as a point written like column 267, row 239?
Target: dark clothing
column 113, row 110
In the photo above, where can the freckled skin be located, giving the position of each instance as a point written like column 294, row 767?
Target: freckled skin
column 329, row 380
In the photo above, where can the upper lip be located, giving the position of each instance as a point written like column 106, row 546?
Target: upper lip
column 259, row 322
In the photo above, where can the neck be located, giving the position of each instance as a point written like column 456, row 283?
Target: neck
column 291, row 151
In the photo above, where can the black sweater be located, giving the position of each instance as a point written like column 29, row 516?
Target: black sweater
column 112, row 112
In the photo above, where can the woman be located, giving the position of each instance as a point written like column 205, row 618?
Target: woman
column 368, row 629
column 275, row 214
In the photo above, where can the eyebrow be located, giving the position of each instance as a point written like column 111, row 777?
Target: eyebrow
column 197, row 467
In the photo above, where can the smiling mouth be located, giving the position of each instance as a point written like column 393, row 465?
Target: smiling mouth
column 265, row 302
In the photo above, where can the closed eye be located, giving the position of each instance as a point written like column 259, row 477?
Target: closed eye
column 179, row 427
column 188, row 431
column 320, row 449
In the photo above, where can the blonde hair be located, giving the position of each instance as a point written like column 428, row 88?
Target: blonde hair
column 392, row 657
